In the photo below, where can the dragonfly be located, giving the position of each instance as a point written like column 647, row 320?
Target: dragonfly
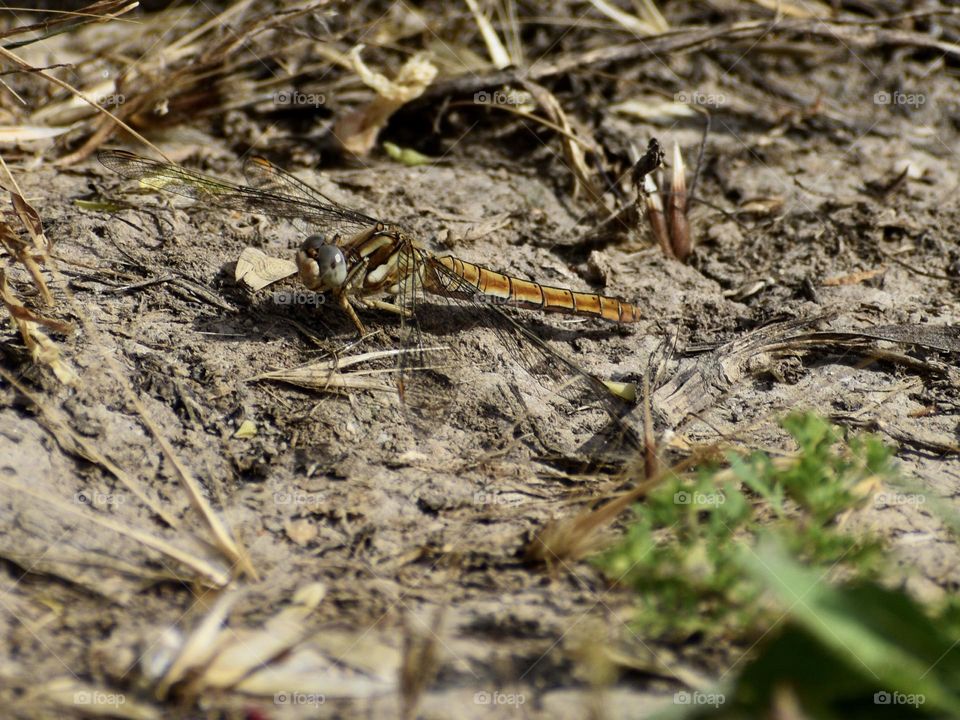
column 359, row 259
column 363, row 262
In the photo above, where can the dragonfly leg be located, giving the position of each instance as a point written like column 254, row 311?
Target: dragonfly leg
column 345, row 305
column 388, row 307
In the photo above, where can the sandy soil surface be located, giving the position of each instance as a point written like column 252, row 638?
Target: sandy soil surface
column 401, row 510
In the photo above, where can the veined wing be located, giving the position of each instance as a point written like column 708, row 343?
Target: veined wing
column 317, row 210
column 565, row 378
column 264, row 175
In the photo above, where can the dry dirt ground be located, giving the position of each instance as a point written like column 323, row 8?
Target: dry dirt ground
column 401, row 514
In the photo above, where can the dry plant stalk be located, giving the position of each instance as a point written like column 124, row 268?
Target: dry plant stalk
column 499, row 55
column 280, row 656
column 207, row 572
column 570, row 539
column 421, row 660
column 328, row 375
column 670, row 225
column 96, row 11
column 656, row 215
column 682, row 245
column 169, row 83
column 44, row 350
column 575, row 145
column 26, row 255
column 654, row 24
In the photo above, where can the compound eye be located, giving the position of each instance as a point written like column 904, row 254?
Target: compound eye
column 331, row 265
column 312, row 244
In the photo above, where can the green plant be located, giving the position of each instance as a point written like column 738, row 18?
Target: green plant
column 682, row 553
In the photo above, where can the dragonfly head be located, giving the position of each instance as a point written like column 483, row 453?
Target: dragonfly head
column 321, row 264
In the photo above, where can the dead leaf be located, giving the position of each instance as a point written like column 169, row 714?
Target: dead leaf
column 256, row 270
column 854, row 278
column 358, row 131
column 247, row 429
column 762, row 205
column 27, row 256
column 654, row 109
column 202, row 645
column 300, row 531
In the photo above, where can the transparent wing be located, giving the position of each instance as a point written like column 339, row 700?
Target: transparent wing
column 560, row 375
column 287, row 198
column 263, row 174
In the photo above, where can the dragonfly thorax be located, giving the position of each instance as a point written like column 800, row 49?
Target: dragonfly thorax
column 321, row 264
